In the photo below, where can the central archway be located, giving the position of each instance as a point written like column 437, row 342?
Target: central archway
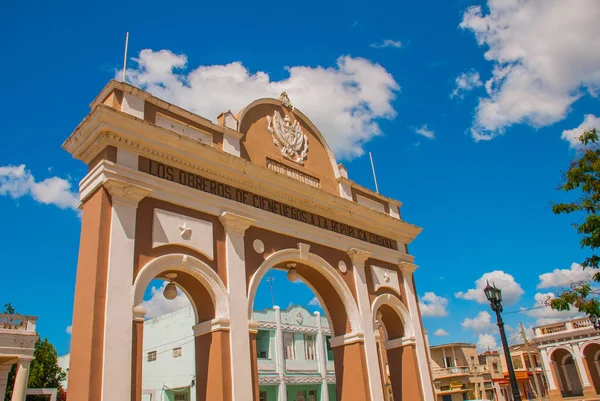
column 568, row 376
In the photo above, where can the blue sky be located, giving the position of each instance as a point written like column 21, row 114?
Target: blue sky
column 462, row 107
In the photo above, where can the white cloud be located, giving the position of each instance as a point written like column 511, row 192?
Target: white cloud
column 433, row 305
column 314, row 302
column 572, row 135
column 158, row 305
column 480, row 323
column 511, row 290
column 387, row 43
column 564, row 277
column 538, row 69
column 425, row 131
column 466, row 82
column 17, row 181
column 441, row 332
column 69, row 329
column 543, row 314
column 486, row 342
column 345, row 101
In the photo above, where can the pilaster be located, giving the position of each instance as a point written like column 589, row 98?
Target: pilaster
column 322, row 358
column 413, row 308
column 235, row 229
column 359, row 257
column 583, row 373
column 118, row 333
column 548, row 369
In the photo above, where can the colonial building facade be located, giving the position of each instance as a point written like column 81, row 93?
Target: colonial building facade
column 211, row 208
column 293, row 356
column 570, row 354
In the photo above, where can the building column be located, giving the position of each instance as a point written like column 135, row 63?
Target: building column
column 137, row 347
column 280, row 365
column 359, row 257
column 548, row 369
column 20, row 386
column 241, row 377
column 584, row 374
column 322, row 359
column 118, row 333
column 212, row 361
column 413, row 308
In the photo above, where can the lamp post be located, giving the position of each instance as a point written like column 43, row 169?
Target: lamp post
column 494, row 295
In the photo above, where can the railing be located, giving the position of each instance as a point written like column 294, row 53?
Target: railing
column 572, row 325
column 458, row 371
column 17, row 322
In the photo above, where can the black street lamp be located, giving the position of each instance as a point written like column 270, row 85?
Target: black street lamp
column 494, row 295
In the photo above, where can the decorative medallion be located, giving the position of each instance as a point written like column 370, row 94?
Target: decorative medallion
column 299, row 317
column 292, row 143
column 342, row 266
column 258, row 245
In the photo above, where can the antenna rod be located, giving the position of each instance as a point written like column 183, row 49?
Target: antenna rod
column 374, row 176
column 125, row 56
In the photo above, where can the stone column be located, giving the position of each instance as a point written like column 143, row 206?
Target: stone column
column 20, row 386
column 359, row 257
column 280, row 359
column 241, row 377
column 118, row 335
column 413, row 308
column 588, row 389
column 548, row 369
column 4, row 369
column 322, row 359
column 212, row 362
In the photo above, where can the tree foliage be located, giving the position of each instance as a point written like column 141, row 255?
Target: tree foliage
column 583, row 177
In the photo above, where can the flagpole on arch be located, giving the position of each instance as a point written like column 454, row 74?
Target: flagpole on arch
column 125, row 56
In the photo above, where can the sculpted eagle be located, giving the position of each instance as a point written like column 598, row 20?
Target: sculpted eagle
column 292, row 143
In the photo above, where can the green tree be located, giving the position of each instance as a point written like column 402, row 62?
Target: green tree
column 8, row 308
column 583, row 178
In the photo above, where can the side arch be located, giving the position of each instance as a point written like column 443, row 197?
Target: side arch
column 320, row 265
column 566, row 348
column 192, row 266
column 397, row 305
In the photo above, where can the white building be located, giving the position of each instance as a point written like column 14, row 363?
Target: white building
column 295, row 360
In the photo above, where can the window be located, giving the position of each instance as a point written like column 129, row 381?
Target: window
column 473, row 360
column 300, row 395
column 312, row 395
column 176, row 352
column 517, row 362
column 262, row 396
column 309, row 347
column 495, row 367
column 329, row 349
column 289, row 345
column 262, row 344
column 448, row 362
column 151, row 356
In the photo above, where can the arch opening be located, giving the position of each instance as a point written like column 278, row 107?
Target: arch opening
column 567, row 374
column 591, row 353
column 176, row 352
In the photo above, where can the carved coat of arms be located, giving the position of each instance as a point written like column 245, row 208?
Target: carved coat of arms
column 290, row 139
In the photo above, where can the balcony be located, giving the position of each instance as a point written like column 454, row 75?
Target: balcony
column 575, row 325
column 439, row 373
column 17, row 324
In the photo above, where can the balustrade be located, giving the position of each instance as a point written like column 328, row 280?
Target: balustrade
column 17, row 322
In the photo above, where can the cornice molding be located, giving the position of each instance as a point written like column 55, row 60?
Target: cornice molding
column 407, row 268
column 210, row 326
column 347, row 339
column 139, row 313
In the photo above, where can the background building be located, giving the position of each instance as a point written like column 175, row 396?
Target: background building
column 17, row 342
column 460, row 373
column 292, row 348
column 570, row 353
column 527, row 363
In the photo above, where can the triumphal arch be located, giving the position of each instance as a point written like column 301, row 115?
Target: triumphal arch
column 211, row 208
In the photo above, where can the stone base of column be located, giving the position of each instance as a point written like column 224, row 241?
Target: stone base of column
column 554, row 395
column 589, row 393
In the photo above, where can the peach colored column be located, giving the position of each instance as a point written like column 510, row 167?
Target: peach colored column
column 352, row 380
column 213, row 366
column 137, row 353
